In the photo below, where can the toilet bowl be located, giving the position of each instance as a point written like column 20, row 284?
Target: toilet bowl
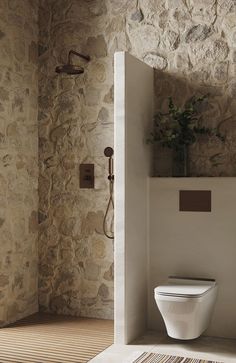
column 186, row 305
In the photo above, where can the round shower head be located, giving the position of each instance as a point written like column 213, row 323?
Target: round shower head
column 108, row 152
column 70, row 69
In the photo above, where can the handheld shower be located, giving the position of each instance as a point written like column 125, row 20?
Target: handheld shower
column 108, row 152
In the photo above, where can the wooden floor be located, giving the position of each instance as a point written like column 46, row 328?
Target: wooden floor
column 44, row 338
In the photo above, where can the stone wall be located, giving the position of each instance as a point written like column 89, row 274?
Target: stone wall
column 18, row 159
column 75, row 125
column 192, row 46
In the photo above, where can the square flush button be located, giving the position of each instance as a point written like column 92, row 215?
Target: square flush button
column 195, row 200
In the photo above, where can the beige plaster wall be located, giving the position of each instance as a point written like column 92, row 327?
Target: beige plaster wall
column 132, row 167
column 18, row 159
column 192, row 46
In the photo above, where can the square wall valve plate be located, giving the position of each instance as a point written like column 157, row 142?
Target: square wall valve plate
column 86, row 176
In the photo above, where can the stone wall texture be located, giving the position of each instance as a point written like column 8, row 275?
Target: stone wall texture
column 192, row 46
column 75, row 125
column 18, row 159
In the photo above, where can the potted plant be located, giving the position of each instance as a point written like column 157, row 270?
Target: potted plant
column 178, row 128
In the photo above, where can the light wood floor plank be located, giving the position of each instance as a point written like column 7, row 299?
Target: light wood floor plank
column 44, row 338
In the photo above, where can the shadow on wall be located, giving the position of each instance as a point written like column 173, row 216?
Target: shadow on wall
column 208, row 156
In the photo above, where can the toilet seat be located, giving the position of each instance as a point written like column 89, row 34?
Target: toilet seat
column 185, row 287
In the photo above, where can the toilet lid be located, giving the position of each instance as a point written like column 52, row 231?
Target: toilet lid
column 185, row 287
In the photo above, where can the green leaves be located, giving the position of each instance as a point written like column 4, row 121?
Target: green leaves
column 181, row 126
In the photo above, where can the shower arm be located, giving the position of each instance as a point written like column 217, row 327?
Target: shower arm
column 86, row 57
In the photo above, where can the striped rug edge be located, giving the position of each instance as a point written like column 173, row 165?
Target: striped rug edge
column 148, row 357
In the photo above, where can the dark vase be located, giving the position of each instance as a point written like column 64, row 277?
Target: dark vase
column 180, row 162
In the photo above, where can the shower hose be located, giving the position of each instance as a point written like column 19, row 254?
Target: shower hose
column 110, row 204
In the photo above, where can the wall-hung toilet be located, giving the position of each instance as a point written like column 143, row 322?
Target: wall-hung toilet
column 186, row 305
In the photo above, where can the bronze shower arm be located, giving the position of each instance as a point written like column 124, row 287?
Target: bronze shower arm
column 86, row 57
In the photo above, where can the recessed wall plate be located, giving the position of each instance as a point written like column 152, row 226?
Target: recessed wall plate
column 195, row 200
column 86, row 176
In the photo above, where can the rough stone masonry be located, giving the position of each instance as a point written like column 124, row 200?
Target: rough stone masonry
column 18, row 159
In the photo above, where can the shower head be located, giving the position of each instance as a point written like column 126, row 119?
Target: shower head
column 108, row 152
column 70, row 68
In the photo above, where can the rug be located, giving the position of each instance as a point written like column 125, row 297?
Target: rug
column 160, row 358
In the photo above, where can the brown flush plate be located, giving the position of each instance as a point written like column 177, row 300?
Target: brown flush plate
column 86, row 176
column 195, row 200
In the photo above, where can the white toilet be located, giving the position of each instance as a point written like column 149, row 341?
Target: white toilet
column 186, row 305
